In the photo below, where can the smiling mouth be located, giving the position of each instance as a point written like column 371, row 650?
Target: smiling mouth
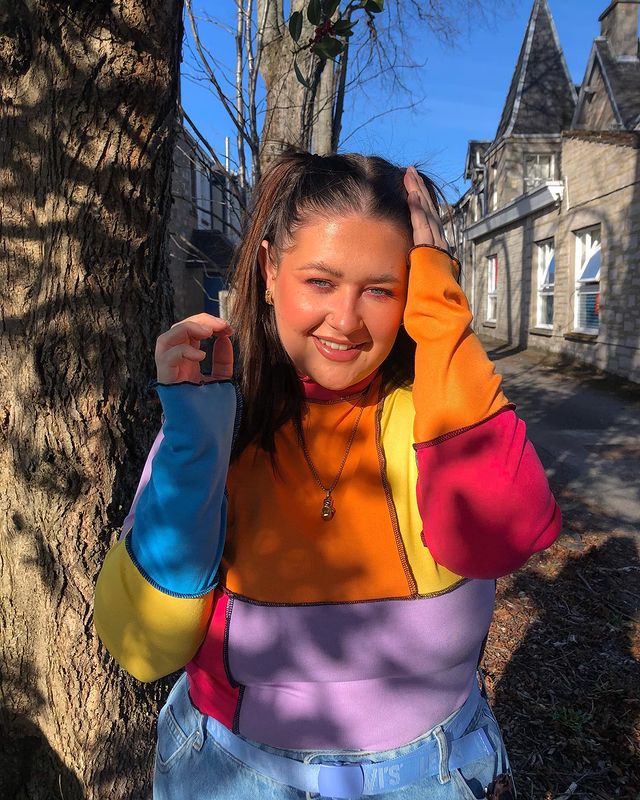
column 337, row 346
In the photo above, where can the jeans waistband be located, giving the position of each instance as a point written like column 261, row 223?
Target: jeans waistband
column 445, row 749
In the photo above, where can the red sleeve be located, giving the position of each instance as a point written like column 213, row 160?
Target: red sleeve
column 483, row 496
column 482, row 492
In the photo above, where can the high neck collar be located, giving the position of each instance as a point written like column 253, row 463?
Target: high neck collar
column 313, row 391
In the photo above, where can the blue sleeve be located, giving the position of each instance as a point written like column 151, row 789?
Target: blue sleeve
column 180, row 520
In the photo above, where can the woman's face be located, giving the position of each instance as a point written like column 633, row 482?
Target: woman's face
column 339, row 294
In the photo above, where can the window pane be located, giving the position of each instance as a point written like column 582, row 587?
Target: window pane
column 588, row 311
column 591, row 271
column 551, row 273
column 546, row 309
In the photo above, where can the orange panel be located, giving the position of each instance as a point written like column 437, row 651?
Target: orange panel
column 280, row 550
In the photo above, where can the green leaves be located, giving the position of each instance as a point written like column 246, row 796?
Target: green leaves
column 328, row 47
column 329, row 7
column 343, row 27
column 300, row 76
column 329, row 37
column 314, row 12
column 295, row 25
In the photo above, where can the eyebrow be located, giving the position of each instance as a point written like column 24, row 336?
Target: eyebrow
column 320, row 266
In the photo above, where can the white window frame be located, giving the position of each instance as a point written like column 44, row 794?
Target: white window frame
column 494, row 188
column 492, row 288
column 533, row 183
column 546, row 282
column 588, row 245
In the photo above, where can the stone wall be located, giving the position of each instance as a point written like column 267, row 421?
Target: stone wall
column 601, row 173
column 596, row 113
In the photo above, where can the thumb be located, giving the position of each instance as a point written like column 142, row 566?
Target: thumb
column 222, row 359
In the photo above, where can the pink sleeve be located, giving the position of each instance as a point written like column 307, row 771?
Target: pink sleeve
column 484, row 499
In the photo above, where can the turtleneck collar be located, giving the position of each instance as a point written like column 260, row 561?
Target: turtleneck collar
column 313, row 391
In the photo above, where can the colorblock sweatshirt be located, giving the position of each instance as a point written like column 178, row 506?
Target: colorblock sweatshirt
column 362, row 632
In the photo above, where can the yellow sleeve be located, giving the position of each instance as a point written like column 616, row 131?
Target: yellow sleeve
column 148, row 632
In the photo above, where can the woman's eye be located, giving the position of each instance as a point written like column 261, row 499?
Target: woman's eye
column 320, row 282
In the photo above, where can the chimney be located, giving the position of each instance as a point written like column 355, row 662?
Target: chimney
column 619, row 26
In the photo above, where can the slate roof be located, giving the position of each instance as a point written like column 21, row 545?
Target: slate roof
column 542, row 96
column 623, row 78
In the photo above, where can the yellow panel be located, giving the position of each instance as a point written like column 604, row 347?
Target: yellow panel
column 396, row 429
column 149, row 633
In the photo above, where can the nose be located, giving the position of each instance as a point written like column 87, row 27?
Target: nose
column 344, row 315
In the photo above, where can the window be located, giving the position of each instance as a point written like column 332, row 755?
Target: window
column 546, row 282
column 201, row 194
column 492, row 288
column 538, row 169
column 494, row 188
column 587, row 303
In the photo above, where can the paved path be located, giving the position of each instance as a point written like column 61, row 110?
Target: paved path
column 586, row 430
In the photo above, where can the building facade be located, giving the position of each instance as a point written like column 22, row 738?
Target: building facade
column 203, row 227
column 549, row 231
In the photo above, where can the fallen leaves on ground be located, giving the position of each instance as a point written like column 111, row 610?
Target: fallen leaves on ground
column 562, row 665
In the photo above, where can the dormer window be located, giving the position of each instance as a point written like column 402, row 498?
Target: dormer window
column 538, row 169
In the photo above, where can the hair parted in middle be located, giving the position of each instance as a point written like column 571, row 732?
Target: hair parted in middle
column 299, row 187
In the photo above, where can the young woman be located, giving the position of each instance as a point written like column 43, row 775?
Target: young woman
column 318, row 542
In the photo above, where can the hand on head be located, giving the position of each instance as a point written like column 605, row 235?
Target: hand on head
column 425, row 220
column 178, row 353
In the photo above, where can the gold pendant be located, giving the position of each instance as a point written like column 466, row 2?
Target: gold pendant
column 327, row 508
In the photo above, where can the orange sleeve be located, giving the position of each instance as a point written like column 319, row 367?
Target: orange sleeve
column 455, row 383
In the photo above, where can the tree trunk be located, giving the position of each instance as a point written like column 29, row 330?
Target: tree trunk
column 323, row 122
column 291, row 116
column 87, row 103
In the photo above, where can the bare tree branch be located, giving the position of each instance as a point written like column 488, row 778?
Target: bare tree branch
column 228, row 106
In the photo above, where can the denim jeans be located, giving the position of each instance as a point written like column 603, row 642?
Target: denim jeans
column 191, row 765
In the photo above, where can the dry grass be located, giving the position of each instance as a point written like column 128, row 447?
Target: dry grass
column 563, row 665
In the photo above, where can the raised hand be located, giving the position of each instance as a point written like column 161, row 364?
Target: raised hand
column 178, row 353
column 425, row 220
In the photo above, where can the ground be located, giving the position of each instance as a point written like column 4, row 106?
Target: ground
column 563, row 656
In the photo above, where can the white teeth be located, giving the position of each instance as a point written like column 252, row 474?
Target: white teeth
column 336, row 346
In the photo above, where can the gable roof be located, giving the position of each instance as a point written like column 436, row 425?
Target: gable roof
column 622, row 79
column 542, row 97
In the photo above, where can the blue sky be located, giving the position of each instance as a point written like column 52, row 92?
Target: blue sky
column 463, row 87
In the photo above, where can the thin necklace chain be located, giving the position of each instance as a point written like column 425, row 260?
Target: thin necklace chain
column 328, row 509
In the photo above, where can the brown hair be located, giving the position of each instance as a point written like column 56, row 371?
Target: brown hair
column 296, row 186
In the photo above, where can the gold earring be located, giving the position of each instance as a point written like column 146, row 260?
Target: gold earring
column 268, row 297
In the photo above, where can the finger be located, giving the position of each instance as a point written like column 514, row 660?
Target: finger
column 208, row 320
column 182, row 351
column 189, row 331
column 213, row 326
column 421, row 229
column 222, row 359
column 431, row 210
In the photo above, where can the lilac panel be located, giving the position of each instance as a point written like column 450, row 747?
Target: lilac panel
column 322, row 676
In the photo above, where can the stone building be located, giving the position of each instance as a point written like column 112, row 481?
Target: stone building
column 549, row 230
column 203, row 227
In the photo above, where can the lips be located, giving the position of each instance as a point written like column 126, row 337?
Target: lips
column 338, row 351
column 336, row 345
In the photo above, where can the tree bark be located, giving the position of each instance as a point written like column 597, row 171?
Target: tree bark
column 88, row 93
column 324, row 109
column 291, row 116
